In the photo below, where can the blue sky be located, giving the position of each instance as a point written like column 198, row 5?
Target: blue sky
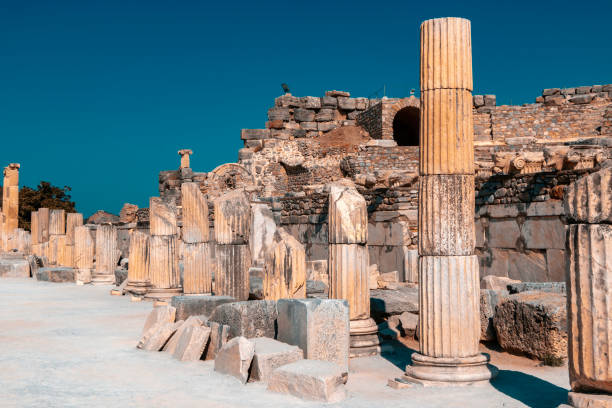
column 100, row 95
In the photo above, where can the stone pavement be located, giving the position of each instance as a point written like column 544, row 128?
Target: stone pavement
column 74, row 346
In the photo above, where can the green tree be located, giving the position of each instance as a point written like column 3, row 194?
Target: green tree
column 45, row 195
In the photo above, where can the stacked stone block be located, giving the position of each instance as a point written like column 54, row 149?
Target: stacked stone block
column 449, row 327
column 107, row 255
column 233, row 258
column 348, row 265
column 163, row 250
column 197, row 274
column 589, row 289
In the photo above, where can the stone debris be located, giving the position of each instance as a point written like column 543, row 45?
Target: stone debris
column 161, row 314
column 271, row 354
column 553, row 287
column 14, row 267
column 254, row 318
column 191, row 321
column 390, row 302
column 219, row 334
column 310, row 380
column 489, row 299
column 191, row 343
column 235, row 358
column 157, row 336
column 496, row 282
column 56, row 274
column 197, row 305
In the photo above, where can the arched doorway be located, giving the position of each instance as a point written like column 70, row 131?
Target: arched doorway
column 406, row 126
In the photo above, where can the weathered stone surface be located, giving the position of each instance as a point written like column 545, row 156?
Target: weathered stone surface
column 158, row 335
column 589, row 199
column 84, row 248
column 163, row 266
column 73, row 220
column 138, row 267
column 503, row 233
column 349, row 277
column 56, row 274
column 320, row 327
column 202, row 305
column 489, row 299
column 262, row 231
column 43, row 224
column 232, row 218
column 411, row 265
column 171, row 345
column 534, row 324
column 497, row 283
column 107, row 254
column 195, row 214
column 57, row 222
column 285, row 275
column 102, row 217
column 159, row 314
column 128, row 213
column 235, row 358
column 553, row 287
column 589, row 307
column 544, row 233
column 120, row 276
column 271, row 354
column 197, row 271
column 191, row 343
column 255, row 318
column 219, row 334
column 14, row 268
column 162, row 216
column 348, row 216
column 310, row 380
column 391, row 302
column 409, row 323
column 232, row 271
column 589, row 400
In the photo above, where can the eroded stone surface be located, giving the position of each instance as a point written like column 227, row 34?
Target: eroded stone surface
column 235, row 358
column 197, row 305
column 160, row 314
column 171, row 345
column 219, row 334
column 271, row 354
column 191, row 343
column 390, row 302
column 254, row 318
column 157, row 336
column 310, row 380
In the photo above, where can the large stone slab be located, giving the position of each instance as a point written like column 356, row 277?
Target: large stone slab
column 159, row 314
column 219, row 334
column 320, row 327
column 191, row 343
column 158, row 335
column 310, row 380
column 235, row 358
column 13, row 267
column 191, row 321
column 254, row 318
column 197, row 305
column 391, row 302
column 271, row 354
column 534, row 324
column 56, row 274
column 544, row 233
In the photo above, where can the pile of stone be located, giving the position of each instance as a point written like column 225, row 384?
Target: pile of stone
column 296, row 346
column 579, row 95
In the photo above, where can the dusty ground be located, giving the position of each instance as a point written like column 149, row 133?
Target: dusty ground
column 74, row 346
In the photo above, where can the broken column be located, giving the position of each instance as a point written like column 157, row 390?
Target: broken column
column 35, row 231
column 43, row 233
column 84, row 251
column 285, row 273
column 185, row 153
column 164, row 271
column 138, row 267
column 10, row 201
column 57, row 235
column 73, row 220
column 348, row 265
column 232, row 225
column 107, row 255
column 197, row 277
column 588, row 207
column 449, row 329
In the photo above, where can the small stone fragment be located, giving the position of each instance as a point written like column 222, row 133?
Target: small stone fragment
column 191, row 321
column 158, row 335
column 310, row 380
column 235, row 358
column 161, row 314
column 271, row 354
column 192, row 343
column 219, row 334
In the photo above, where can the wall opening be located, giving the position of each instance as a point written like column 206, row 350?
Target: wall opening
column 406, row 126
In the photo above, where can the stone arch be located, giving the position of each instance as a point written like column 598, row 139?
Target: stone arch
column 229, row 176
column 406, row 121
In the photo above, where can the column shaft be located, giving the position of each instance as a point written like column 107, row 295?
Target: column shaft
column 138, row 267
column 197, row 277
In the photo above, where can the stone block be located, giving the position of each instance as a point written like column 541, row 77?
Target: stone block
column 158, row 335
column 219, row 334
column 303, row 115
column 409, row 323
column 544, row 233
column 588, row 400
column 348, row 216
column 309, row 126
column 14, row 268
column 171, row 345
column 279, row 114
column 384, row 303
column 310, row 380
column 497, row 283
column 581, row 90
column 411, row 265
column 56, row 274
column 254, row 318
column 320, row 327
column 551, row 91
column 311, row 102
column 550, row 287
column 503, row 233
column 534, row 324
column 489, row 299
column 589, row 199
column 235, row 358
column 159, row 314
column 191, row 343
column 329, row 102
column 581, row 99
column 197, row 305
column 346, row 103
column 555, row 265
column 489, row 100
column 325, row 115
column 269, row 355
column 327, row 126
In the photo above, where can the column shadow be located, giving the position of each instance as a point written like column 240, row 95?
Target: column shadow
column 396, row 353
column 530, row 390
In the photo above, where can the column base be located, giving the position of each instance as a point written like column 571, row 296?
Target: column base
column 364, row 338
column 435, row 372
column 583, row 400
column 164, row 295
column 102, row 279
column 138, row 288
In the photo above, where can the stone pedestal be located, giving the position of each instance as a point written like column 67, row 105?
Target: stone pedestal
column 285, row 272
column 138, row 268
column 107, row 255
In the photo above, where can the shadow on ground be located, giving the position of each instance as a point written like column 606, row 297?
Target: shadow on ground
column 530, row 390
column 397, row 353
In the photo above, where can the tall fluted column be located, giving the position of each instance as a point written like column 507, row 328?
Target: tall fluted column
column 197, row 276
column 57, row 236
column 232, row 228
column 10, row 200
column 285, row 273
column 589, row 289
column 73, row 220
column 449, row 325
column 107, row 255
column 138, row 267
column 84, row 251
column 164, row 273
column 348, row 265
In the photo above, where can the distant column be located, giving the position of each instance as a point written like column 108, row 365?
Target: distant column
column 232, row 228
column 107, row 255
column 10, row 200
column 348, row 265
column 35, row 233
column 185, row 153
column 138, row 267
column 43, row 226
column 73, row 220
column 84, row 251
column 57, row 236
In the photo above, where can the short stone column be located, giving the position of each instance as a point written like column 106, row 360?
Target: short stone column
column 57, row 236
column 138, row 267
column 588, row 209
column 233, row 258
column 10, row 201
column 107, row 255
column 164, row 273
column 73, row 220
column 84, row 251
column 197, row 274
column 449, row 325
column 285, row 268
column 35, row 233
column 185, row 153
column 348, row 265
column 43, row 227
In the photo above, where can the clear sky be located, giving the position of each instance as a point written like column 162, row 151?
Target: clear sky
column 100, row 95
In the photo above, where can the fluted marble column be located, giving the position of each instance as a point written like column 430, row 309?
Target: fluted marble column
column 43, row 224
column 285, row 273
column 107, row 255
column 138, row 267
column 348, row 265
column 84, row 251
column 10, row 200
column 164, row 273
column 35, row 233
column 449, row 325
column 197, row 274
column 589, row 290
column 233, row 258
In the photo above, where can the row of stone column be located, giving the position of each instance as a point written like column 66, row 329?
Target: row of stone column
column 53, row 235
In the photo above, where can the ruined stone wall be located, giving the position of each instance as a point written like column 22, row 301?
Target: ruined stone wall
column 377, row 159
